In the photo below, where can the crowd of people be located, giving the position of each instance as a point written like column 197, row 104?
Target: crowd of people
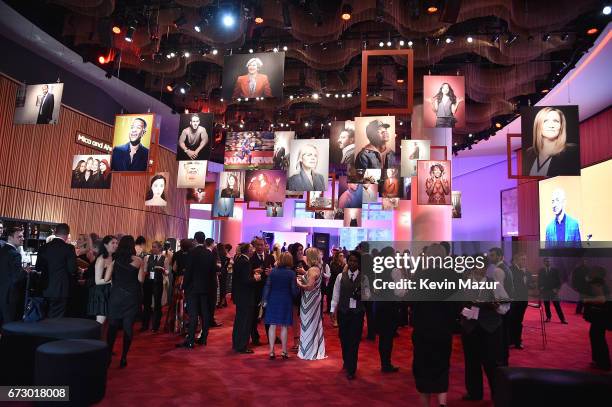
column 291, row 288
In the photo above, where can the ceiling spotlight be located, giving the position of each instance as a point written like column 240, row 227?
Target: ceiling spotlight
column 172, row 55
column 410, row 43
column 546, row 37
column 399, row 80
column 168, row 56
column 381, row 44
column 336, row 95
column 470, row 135
column 102, row 59
column 259, row 20
column 215, row 52
column 388, row 43
column 290, row 97
column 258, row 15
column 182, row 90
column 221, row 100
column 238, row 99
column 116, row 29
column 495, row 38
column 349, row 95
column 448, row 40
column 275, row 49
column 130, row 33
column 197, row 28
column 564, row 37
column 401, row 43
column 511, row 39
column 401, row 123
column 228, row 20
column 592, row 31
column 432, row 9
column 186, row 54
column 345, row 14
column 327, row 95
column 498, row 125
column 285, row 48
column 470, row 39
column 306, row 124
column 607, row 10
column 142, row 58
column 246, row 99
column 241, row 125
column 315, row 96
column 250, row 50
column 170, row 87
column 545, row 90
column 343, row 95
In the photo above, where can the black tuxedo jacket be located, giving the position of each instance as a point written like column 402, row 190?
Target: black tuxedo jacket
column 200, row 276
column 11, row 272
column 243, row 282
column 256, row 262
column 549, row 281
column 57, row 262
column 45, row 114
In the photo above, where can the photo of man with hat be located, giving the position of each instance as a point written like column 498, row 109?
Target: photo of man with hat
column 377, row 153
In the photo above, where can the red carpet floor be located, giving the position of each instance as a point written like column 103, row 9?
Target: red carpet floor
column 160, row 375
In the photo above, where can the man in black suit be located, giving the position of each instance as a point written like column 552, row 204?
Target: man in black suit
column 482, row 335
column 199, row 284
column 549, row 283
column 153, row 287
column 499, row 271
column 57, row 262
column 2, row 242
column 212, row 248
column 47, row 104
column 521, row 279
column 264, row 263
column 12, row 277
column 243, row 295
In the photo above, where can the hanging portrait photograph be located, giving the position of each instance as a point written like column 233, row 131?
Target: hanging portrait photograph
column 257, row 75
column 370, row 192
column 375, row 142
column 443, row 101
column 434, row 182
column 195, row 136
column 222, row 207
column 456, row 202
column 265, row 186
column 390, row 184
column 204, row 195
column 131, row 142
column 38, row 104
column 274, row 209
column 157, row 190
column 407, row 188
column 342, row 143
column 550, row 141
column 231, row 184
column 282, row 140
column 413, row 150
column 246, row 150
column 309, row 165
column 389, row 204
column 191, row 174
column 91, row 172
column 350, row 194
column 352, row 218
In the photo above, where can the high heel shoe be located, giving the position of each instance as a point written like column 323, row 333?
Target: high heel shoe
column 285, row 355
column 123, row 363
column 272, row 356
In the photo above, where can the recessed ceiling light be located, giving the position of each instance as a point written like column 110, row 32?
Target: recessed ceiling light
column 592, row 31
column 607, row 10
column 470, row 39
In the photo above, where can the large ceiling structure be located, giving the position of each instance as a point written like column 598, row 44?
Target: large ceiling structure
column 510, row 52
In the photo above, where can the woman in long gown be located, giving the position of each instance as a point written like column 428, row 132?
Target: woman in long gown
column 312, row 343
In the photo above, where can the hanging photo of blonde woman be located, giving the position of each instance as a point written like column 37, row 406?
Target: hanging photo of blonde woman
column 309, row 165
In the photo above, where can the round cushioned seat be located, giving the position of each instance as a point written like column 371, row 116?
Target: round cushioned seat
column 21, row 339
column 80, row 364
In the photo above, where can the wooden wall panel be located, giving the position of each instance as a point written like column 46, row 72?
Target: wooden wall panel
column 35, row 173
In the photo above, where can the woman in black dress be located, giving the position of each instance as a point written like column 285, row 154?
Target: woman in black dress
column 125, row 298
column 99, row 293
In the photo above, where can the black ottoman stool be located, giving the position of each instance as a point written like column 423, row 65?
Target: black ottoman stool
column 78, row 363
column 21, row 339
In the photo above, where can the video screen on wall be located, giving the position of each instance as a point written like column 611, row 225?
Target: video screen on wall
column 575, row 211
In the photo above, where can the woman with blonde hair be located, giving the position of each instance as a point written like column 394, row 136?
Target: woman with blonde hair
column 551, row 154
column 276, row 253
column 312, row 343
column 307, row 179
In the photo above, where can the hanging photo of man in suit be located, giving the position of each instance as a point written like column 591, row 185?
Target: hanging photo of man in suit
column 132, row 137
column 38, row 104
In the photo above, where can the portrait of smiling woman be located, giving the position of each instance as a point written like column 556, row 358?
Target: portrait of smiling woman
column 156, row 195
column 550, row 141
column 309, row 170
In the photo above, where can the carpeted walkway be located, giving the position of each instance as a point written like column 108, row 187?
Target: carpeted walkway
column 160, row 375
